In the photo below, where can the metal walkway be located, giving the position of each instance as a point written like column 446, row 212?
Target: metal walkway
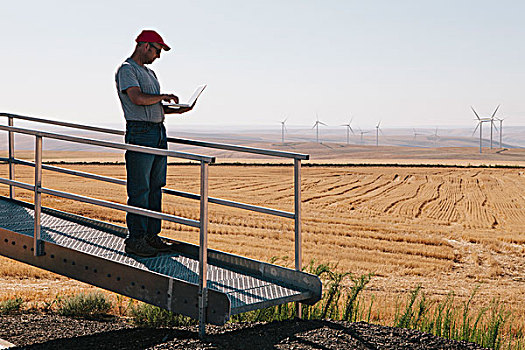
column 202, row 283
column 89, row 251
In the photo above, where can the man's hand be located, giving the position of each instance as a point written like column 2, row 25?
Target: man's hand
column 139, row 98
column 169, row 98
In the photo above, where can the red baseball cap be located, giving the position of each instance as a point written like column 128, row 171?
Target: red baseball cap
column 151, row 36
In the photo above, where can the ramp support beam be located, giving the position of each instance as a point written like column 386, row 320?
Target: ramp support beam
column 11, row 141
column 203, row 250
column 37, row 242
column 298, row 235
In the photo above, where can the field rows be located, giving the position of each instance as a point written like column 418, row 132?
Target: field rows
column 336, row 202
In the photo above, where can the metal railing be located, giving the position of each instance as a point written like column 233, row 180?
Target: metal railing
column 203, row 197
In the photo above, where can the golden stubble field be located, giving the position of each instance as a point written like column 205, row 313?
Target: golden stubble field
column 446, row 229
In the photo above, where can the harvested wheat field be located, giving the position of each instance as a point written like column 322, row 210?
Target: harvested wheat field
column 446, row 229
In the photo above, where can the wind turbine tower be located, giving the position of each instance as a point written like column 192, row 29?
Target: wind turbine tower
column 377, row 133
column 348, row 129
column 316, row 126
column 362, row 132
column 500, row 129
column 492, row 125
column 283, row 128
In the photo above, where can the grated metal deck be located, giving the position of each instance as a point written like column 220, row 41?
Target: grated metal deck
column 248, row 284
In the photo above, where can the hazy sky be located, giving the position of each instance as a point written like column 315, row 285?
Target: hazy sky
column 407, row 63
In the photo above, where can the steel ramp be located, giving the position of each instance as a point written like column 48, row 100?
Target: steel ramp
column 93, row 252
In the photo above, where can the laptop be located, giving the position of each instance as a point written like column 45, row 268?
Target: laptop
column 193, row 99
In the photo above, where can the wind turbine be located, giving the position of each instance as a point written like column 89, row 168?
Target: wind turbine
column 435, row 136
column 363, row 132
column 348, row 129
column 480, row 125
column 416, row 134
column 316, row 126
column 283, row 128
column 377, row 133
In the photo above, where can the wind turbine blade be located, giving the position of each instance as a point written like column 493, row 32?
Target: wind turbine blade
column 477, row 126
column 351, row 129
column 493, row 114
column 323, row 123
column 473, row 110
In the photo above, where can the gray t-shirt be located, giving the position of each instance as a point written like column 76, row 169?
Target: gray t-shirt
column 130, row 74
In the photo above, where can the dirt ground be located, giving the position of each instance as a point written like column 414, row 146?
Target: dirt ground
column 56, row 332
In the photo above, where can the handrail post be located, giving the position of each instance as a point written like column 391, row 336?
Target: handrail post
column 203, row 250
column 298, row 235
column 37, row 243
column 11, row 146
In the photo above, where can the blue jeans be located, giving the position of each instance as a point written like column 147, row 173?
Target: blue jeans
column 146, row 175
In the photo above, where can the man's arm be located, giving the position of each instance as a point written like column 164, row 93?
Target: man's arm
column 139, row 98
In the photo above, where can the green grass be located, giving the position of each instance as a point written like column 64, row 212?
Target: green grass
column 11, row 305
column 450, row 320
column 146, row 315
column 84, row 305
column 341, row 300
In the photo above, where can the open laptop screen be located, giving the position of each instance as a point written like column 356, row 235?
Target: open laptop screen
column 198, row 91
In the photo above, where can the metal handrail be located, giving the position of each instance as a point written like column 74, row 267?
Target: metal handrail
column 215, row 145
column 170, row 191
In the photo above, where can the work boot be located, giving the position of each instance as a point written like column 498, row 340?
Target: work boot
column 158, row 243
column 139, row 246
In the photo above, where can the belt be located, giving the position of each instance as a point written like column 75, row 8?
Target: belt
column 140, row 122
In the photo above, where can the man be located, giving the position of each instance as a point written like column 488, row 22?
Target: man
column 139, row 93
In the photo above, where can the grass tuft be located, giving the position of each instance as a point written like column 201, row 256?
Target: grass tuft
column 444, row 319
column 84, row 305
column 352, row 302
column 11, row 305
column 146, row 315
